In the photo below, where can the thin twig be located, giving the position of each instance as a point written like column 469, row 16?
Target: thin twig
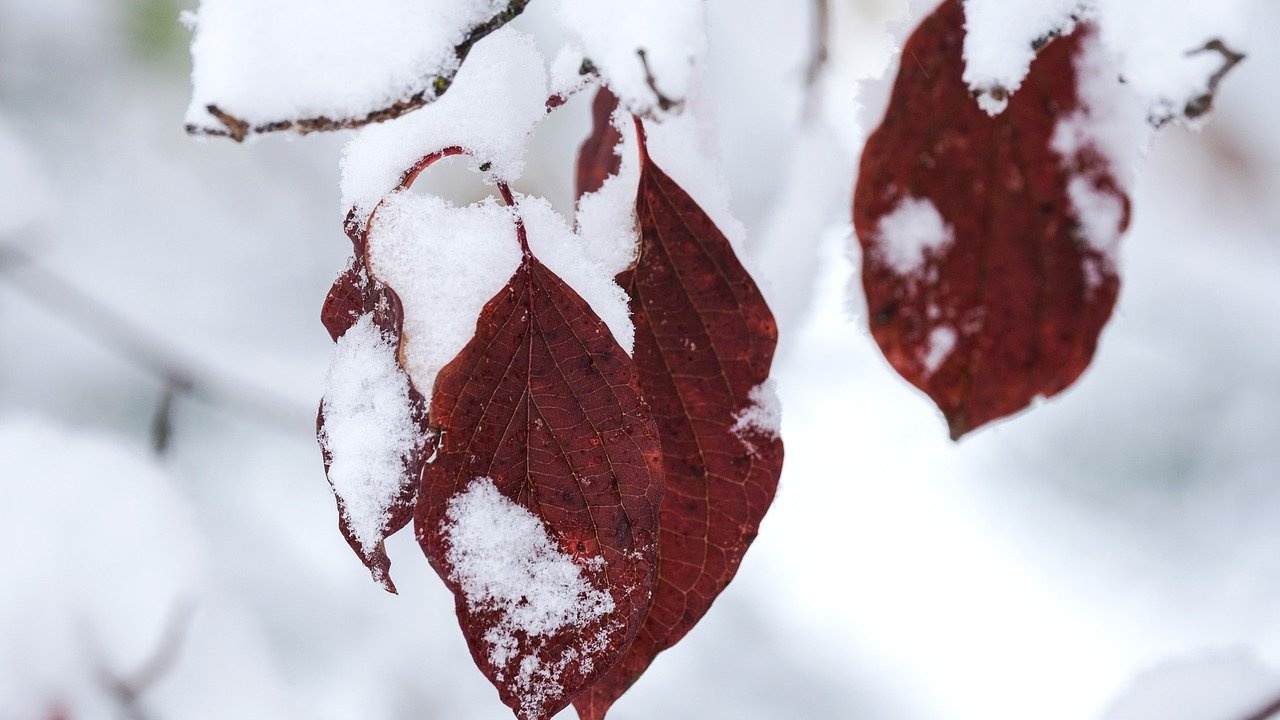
column 1202, row 104
column 664, row 103
column 433, row 87
column 150, row 352
column 1266, row 713
column 128, row 690
column 819, row 56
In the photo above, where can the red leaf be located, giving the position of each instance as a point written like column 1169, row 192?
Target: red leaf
column 705, row 340
column 1008, row 308
column 356, row 293
column 545, row 403
column 598, row 157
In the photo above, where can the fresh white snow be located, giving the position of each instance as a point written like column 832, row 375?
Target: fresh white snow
column 914, row 228
column 445, row 262
column 764, row 413
column 369, row 429
column 504, row 560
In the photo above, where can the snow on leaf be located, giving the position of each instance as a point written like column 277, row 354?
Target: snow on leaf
column 1028, row 282
column 705, row 340
column 369, row 432
column 262, row 66
column 545, row 404
column 372, row 424
column 505, row 563
column 1001, row 40
column 913, row 229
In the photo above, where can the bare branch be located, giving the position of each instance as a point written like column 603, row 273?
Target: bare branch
column 1201, row 104
column 182, row 375
column 238, row 129
column 819, row 55
column 664, row 103
column 128, row 690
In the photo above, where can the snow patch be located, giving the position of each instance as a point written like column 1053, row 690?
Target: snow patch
column 369, row 429
column 493, row 105
column 942, row 342
column 998, row 47
column 445, row 262
column 764, row 413
column 914, row 228
column 505, row 562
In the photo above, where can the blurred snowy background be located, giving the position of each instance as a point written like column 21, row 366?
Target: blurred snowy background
column 1122, row 533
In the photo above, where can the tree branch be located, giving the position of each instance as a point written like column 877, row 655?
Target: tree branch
column 819, row 55
column 181, row 375
column 238, row 129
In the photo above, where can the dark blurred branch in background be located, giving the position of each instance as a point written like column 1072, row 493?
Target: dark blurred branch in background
column 819, row 54
column 182, row 376
column 127, row 691
column 1272, row 710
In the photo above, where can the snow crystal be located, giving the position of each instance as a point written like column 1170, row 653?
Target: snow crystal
column 913, row 228
column 671, row 34
column 942, row 341
column 494, row 103
column 606, row 218
column 445, row 262
column 998, row 41
column 369, row 429
column 505, row 562
column 268, row 60
column 763, row 415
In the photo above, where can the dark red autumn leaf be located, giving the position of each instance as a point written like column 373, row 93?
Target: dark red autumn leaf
column 704, row 343
column 540, row 510
column 598, row 157
column 356, row 293
column 982, row 286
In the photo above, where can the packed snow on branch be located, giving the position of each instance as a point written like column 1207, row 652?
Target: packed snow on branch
column 913, row 229
column 505, row 562
column 648, row 51
column 496, row 100
column 266, row 61
column 369, row 430
column 1161, row 46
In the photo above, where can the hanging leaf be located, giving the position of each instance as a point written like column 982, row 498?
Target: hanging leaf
column 986, row 251
column 598, row 157
column 540, row 511
column 378, row 493
column 705, row 340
